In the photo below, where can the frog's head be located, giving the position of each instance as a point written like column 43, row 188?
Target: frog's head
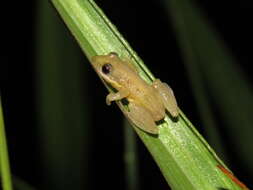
column 106, row 66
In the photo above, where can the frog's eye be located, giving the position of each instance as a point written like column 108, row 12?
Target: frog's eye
column 107, row 68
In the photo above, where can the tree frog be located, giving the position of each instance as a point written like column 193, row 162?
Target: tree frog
column 146, row 103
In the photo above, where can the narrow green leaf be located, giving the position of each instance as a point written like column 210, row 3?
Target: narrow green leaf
column 63, row 121
column 185, row 159
column 214, row 73
column 131, row 157
column 20, row 184
column 183, row 24
column 4, row 158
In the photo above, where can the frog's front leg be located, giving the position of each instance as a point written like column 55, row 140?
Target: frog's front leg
column 116, row 96
column 167, row 96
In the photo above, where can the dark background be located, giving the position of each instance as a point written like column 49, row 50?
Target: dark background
column 233, row 22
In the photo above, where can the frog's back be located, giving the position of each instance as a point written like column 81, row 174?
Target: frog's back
column 140, row 92
column 144, row 94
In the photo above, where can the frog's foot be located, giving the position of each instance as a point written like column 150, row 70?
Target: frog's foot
column 142, row 118
column 168, row 97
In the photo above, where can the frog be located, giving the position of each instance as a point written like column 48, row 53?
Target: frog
column 146, row 103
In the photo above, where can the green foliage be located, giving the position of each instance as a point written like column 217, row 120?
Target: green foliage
column 185, row 159
column 215, row 78
column 63, row 121
column 4, row 160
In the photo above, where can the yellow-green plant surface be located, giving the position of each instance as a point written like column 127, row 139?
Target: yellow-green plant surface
column 4, row 158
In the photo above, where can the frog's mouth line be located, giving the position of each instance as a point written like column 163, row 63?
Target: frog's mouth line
column 109, row 85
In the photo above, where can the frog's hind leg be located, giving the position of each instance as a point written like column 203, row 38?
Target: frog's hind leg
column 142, row 118
column 168, row 97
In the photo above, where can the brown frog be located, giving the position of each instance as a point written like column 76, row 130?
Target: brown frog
column 147, row 103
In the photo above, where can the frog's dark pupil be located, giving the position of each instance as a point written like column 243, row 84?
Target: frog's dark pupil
column 106, row 68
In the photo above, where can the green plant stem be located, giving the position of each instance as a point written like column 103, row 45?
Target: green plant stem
column 184, row 157
column 131, row 159
column 20, row 184
column 4, row 159
column 62, row 120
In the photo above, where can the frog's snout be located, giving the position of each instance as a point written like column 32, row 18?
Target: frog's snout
column 93, row 59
